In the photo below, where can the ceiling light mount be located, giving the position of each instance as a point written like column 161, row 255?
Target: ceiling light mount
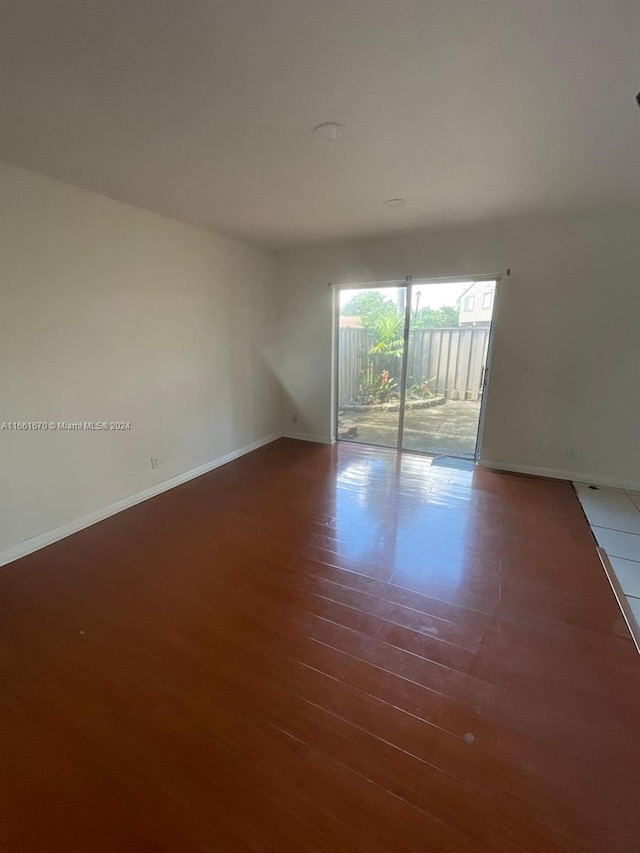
column 330, row 131
column 395, row 202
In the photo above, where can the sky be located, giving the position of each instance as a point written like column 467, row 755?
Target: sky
column 433, row 295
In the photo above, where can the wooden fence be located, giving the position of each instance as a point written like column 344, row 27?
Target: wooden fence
column 455, row 357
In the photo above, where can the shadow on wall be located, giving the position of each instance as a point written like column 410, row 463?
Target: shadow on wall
column 292, row 418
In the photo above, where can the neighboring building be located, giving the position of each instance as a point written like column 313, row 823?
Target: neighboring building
column 348, row 322
column 476, row 304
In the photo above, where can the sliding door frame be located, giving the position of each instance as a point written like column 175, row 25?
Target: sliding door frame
column 488, row 372
column 409, row 283
column 408, row 302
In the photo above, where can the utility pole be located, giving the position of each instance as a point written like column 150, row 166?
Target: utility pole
column 418, row 295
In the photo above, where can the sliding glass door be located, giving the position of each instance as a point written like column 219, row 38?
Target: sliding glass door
column 371, row 349
column 412, row 364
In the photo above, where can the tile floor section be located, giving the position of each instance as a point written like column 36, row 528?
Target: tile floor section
column 614, row 518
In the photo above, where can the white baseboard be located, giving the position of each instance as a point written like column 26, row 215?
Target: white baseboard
column 300, row 436
column 555, row 473
column 51, row 536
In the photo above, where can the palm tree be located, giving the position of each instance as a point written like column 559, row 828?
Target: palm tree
column 387, row 329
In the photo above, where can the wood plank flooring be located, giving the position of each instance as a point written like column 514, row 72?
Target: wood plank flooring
column 321, row 649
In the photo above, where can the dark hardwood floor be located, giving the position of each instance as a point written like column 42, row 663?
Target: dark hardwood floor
column 321, row 649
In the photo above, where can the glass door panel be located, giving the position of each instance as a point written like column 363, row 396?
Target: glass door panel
column 371, row 331
column 447, row 350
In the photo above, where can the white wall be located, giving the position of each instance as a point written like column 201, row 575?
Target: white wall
column 571, row 308
column 108, row 312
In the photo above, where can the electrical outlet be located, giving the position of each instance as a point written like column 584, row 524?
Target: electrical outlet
column 294, row 417
column 571, row 453
column 155, row 462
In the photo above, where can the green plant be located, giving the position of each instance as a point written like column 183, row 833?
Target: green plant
column 379, row 388
column 421, row 387
column 364, row 304
column 387, row 328
column 384, row 327
column 436, row 318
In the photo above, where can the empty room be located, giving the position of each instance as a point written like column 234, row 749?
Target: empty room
column 320, row 426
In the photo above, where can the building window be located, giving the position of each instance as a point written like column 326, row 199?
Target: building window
column 468, row 303
column 487, row 299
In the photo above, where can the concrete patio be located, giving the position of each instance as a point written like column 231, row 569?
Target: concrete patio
column 447, row 429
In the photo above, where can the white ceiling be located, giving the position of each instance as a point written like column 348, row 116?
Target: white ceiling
column 203, row 109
